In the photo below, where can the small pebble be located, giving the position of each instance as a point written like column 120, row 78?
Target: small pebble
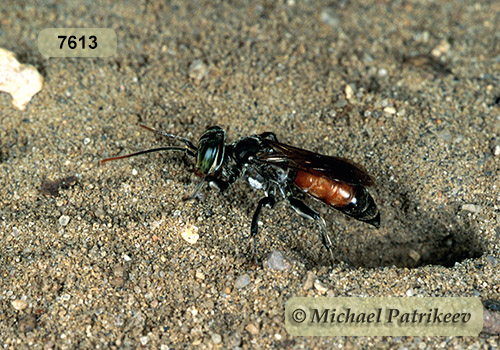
column 320, row 287
column 19, row 304
column 410, row 292
column 495, row 147
column 496, row 150
column 235, row 340
column 473, row 208
column 348, row 92
column 242, row 281
column 190, row 235
column 197, row 71
column 134, row 172
column 492, row 260
column 444, row 135
column 252, row 329
column 309, row 282
column 340, row 103
column 390, row 110
column 414, row 255
column 329, row 17
column 442, row 48
column 64, row 220
column 144, row 340
column 193, row 311
column 199, row 275
column 382, row 72
column 276, row 261
column 216, row 338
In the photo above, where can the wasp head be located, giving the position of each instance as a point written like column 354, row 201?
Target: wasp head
column 211, row 147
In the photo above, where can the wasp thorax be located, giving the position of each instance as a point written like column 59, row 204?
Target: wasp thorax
column 246, row 149
column 211, row 148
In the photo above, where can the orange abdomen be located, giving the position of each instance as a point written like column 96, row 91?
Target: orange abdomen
column 331, row 192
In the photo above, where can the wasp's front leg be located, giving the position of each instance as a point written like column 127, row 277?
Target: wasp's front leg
column 213, row 182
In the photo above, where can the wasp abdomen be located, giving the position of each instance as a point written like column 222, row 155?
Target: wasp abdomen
column 354, row 201
column 331, row 192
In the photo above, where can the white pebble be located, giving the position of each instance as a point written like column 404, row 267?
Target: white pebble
column 390, row 110
column 495, row 149
column 276, row 261
column 64, row 220
column 21, row 81
column 320, row 287
column 348, row 92
column 473, row 208
column 242, row 281
column 382, row 72
column 197, row 71
column 216, row 338
column 144, row 340
column 190, row 235
column 19, row 304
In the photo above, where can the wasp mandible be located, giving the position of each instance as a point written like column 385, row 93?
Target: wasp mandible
column 282, row 172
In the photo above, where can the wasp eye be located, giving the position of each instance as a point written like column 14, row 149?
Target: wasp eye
column 207, row 160
column 210, row 150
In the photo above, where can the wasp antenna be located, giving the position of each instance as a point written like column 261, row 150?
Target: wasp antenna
column 172, row 136
column 170, row 148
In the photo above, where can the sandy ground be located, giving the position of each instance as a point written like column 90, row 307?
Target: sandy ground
column 93, row 257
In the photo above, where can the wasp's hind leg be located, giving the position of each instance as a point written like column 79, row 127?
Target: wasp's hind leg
column 303, row 210
column 266, row 201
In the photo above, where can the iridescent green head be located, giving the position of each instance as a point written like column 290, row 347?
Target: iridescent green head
column 211, row 148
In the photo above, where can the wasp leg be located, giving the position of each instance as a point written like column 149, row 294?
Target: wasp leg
column 303, row 210
column 195, row 191
column 266, row 201
column 212, row 182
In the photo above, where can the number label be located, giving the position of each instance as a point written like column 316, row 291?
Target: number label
column 72, row 41
column 77, row 42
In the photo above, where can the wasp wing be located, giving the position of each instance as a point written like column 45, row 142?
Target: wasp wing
column 334, row 168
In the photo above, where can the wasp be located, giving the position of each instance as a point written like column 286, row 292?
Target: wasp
column 281, row 171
